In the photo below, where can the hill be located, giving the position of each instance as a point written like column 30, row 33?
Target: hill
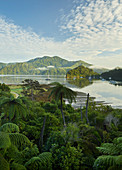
column 2, row 65
column 45, row 65
column 80, row 72
column 115, row 74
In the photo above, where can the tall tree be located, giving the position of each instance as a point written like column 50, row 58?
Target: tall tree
column 29, row 86
column 59, row 92
column 87, row 102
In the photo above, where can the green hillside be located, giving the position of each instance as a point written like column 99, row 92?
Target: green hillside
column 115, row 74
column 80, row 71
column 2, row 65
column 45, row 65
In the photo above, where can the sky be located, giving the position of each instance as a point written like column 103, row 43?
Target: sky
column 88, row 30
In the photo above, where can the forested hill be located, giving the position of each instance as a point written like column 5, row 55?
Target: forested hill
column 115, row 74
column 2, row 65
column 45, row 65
column 80, row 72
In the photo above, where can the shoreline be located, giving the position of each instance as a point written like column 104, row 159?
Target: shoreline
column 80, row 98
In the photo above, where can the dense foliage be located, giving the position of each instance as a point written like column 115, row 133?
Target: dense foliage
column 80, row 72
column 36, row 138
column 58, row 66
column 115, row 74
column 2, row 65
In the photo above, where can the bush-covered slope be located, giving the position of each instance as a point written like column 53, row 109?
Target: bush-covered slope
column 2, row 65
column 41, row 66
column 79, row 72
column 115, row 74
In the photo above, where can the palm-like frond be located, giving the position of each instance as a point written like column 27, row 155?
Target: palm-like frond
column 109, row 149
column 114, row 148
column 15, row 106
column 2, row 115
column 108, row 161
column 4, row 100
column 4, row 140
column 33, row 164
column 43, row 162
column 117, row 140
column 59, row 90
column 114, row 157
column 45, row 157
column 16, row 166
column 19, row 140
column 24, row 100
column 14, row 154
column 4, row 165
column 9, row 128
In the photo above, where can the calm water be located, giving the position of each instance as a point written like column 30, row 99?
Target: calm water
column 102, row 90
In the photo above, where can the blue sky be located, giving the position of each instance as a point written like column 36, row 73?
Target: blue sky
column 88, row 30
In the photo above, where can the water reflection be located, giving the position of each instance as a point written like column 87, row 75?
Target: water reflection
column 42, row 79
column 80, row 82
column 102, row 90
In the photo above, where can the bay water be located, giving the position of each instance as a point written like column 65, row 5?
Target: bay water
column 101, row 90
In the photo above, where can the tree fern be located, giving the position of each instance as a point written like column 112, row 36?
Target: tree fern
column 114, row 158
column 118, row 140
column 15, row 105
column 14, row 154
column 4, row 165
column 19, row 140
column 9, row 128
column 114, row 148
column 33, row 164
column 109, row 149
column 43, row 162
column 104, row 162
column 46, row 157
column 4, row 140
column 16, row 166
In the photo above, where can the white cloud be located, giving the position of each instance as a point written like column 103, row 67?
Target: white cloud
column 93, row 26
column 17, row 44
column 97, row 22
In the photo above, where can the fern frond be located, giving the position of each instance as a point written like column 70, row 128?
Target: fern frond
column 4, row 165
column 19, row 140
column 14, row 154
column 16, row 166
column 2, row 115
column 119, row 160
column 107, row 161
column 43, row 162
column 33, row 164
column 109, row 148
column 117, row 140
column 4, row 140
column 9, row 128
column 45, row 156
column 46, row 160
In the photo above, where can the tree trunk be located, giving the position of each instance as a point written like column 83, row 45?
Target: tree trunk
column 87, row 108
column 42, row 134
column 32, row 94
column 62, row 111
column 81, row 113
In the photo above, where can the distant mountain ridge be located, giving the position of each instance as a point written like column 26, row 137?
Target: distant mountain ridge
column 37, row 66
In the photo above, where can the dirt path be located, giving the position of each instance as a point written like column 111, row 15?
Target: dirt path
column 15, row 94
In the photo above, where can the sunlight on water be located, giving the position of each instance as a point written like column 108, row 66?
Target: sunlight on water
column 102, row 90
